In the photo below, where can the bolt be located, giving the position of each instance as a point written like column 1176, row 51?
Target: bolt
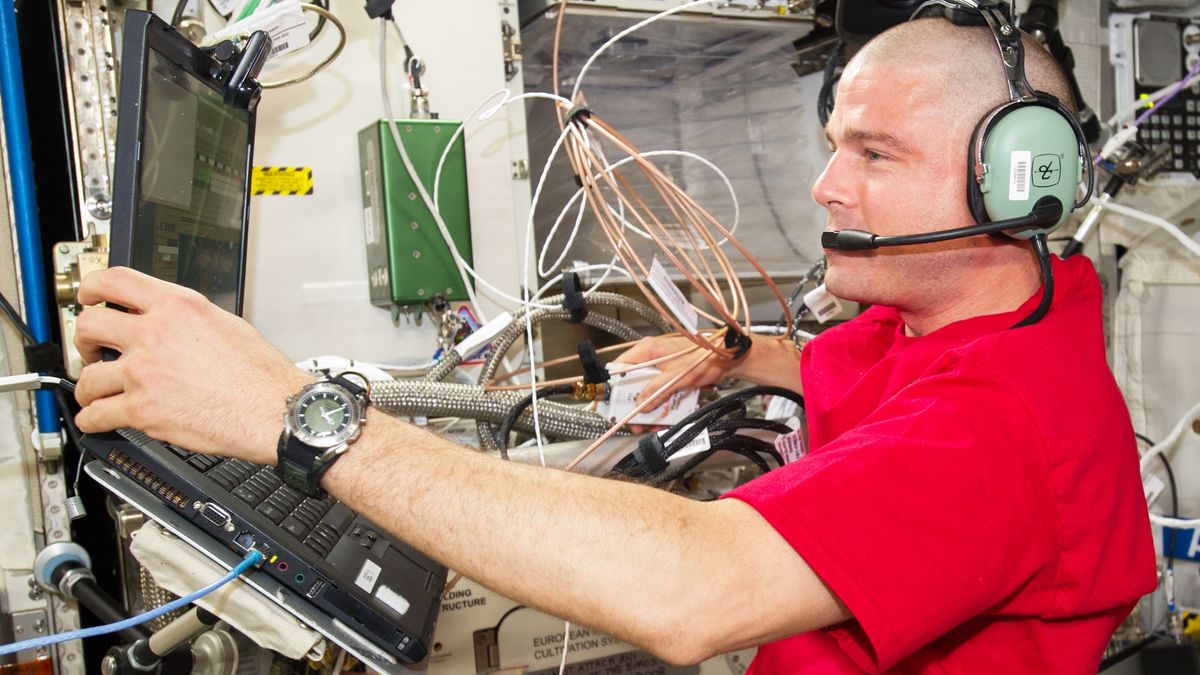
column 449, row 289
column 109, row 665
column 414, row 224
column 408, row 128
column 416, row 254
column 421, row 292
column 39, row 626
column 437, row 130
column 1006, row 30
column 18, row 630
column 63, row 248
column 412, row 196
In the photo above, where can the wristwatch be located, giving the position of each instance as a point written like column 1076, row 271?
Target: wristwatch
column 321, row 422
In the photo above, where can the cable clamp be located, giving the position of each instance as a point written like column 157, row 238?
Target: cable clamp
column 594, row 372
column 44, row 357
column 579, row 111
column 649, row 453
column 738, row 341
column 573, row 300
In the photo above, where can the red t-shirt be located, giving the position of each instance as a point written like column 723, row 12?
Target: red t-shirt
column 971, row 495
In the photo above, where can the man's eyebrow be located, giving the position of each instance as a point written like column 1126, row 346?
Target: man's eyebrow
column 871, row 137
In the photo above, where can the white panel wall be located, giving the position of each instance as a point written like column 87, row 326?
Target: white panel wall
column 306, row 285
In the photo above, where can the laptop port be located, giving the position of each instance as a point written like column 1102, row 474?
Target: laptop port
column 315, row 589
column 244, row 541
column 215, row 514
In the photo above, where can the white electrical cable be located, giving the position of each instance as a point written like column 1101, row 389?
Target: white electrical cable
column 1183, row 426
column 1163, row 224
column 635, row 27
column 608, row 269
column 562, row 666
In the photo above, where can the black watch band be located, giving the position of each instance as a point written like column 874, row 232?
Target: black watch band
column 300, row 466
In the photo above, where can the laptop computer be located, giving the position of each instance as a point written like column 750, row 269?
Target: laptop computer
column 180, row 208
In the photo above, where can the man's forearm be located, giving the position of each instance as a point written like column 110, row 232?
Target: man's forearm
column 641, row 564
column 771, row 361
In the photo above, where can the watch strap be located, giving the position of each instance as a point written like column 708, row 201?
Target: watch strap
column 301, row 466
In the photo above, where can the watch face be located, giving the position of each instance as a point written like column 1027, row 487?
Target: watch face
column 325, row 415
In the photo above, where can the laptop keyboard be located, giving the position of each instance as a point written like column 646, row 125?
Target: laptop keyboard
column 318, row 523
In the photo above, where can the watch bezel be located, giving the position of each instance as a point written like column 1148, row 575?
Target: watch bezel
column 347, row 435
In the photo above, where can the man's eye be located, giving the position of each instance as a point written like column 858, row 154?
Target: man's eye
column 873, row 156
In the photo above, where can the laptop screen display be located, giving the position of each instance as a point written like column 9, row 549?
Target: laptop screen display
column 192, row 175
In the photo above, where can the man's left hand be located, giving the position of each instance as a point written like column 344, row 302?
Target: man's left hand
column 189, row 373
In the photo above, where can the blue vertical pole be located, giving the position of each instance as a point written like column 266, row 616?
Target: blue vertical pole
column 20, row 167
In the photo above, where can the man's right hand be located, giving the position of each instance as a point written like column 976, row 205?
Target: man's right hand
column 770, row 361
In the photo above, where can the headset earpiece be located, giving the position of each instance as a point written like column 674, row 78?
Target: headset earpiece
column 1020, row 152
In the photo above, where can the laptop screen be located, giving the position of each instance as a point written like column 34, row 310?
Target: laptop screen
column 181, row 216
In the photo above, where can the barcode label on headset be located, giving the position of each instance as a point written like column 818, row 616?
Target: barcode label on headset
column 822, row 304
column 1018, row 179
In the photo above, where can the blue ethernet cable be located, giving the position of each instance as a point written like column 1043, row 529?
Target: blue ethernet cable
column 251, row 559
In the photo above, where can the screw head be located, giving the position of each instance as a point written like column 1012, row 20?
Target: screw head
column 412, row 196
column 63, row 248
column 421, row 292
column 108, row 665
column 414, row 225
column 1006, row 30
column 416, row 254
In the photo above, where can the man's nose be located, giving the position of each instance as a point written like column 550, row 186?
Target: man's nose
column 833, row 185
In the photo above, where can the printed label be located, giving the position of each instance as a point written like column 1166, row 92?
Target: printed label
column 392, row 599
column 281, row 180
column 1018, row 176
column 701, row 443
column 823, row 304
column 367, row 576
column 283, row 21
column 791, row 446
column 671, row 296
column 1152, row 487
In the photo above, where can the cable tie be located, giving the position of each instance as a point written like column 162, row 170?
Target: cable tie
column 573, row 300
column 593, row 371
column 649, row 453
column 738, row 341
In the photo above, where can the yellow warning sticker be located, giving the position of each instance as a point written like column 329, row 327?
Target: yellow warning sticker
column 281, row 180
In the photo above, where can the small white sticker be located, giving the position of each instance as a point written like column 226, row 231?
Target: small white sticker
column 780, row 408
column 392, row 599
column 283, row 21
column 670, row 294
column 367, row 576
column 823, row 304
column 791, row 446
column 369, row 226
column 1152, row 487
column 624, row 389
column 701, row 443
column 1018, row 177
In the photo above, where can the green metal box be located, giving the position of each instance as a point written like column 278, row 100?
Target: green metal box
column 408, row 261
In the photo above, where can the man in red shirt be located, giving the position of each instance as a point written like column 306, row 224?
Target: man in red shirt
column 971, row 501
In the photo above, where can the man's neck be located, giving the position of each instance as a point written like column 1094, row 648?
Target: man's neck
column 993, row 290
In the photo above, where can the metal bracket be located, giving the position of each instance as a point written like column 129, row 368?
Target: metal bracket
column 512, row 49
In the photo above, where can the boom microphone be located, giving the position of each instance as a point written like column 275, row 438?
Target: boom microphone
column 1046, row 211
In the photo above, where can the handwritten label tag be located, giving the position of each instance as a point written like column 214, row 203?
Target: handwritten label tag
column 671, row 296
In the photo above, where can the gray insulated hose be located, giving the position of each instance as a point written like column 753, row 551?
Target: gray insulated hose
column 445, row 399
column 516, row 327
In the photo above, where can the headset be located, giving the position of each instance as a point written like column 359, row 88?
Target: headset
column 1027, row 157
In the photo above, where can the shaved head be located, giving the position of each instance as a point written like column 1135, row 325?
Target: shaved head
column 963, row 64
